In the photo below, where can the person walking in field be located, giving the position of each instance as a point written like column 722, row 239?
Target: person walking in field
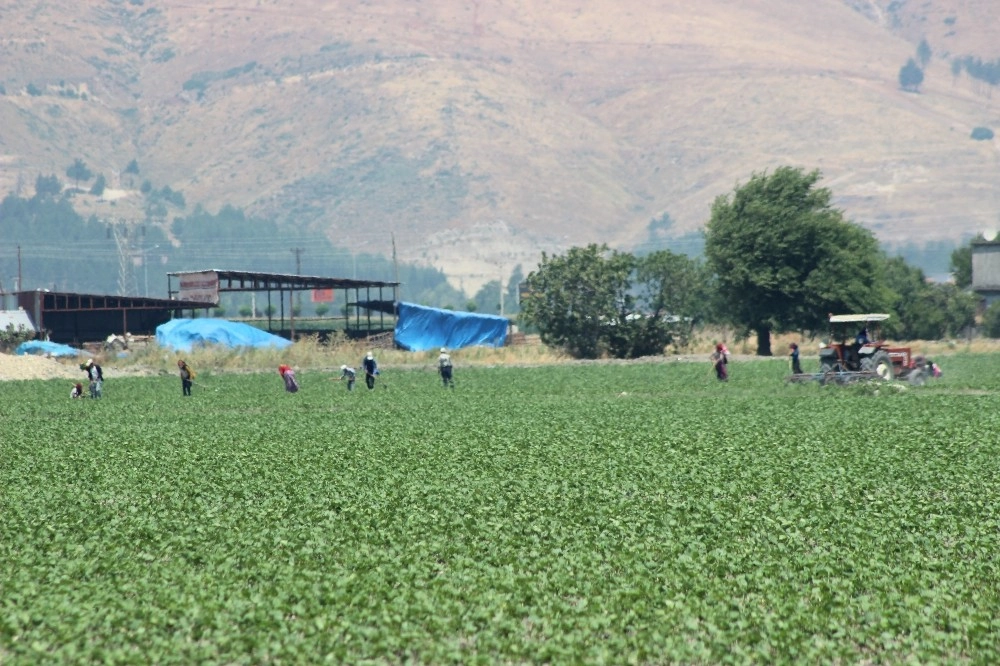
column 719, row 362
column 96, row 377
column 796, row 365
column 350, row 375
column 287, row 374
column 77, row 391
column 187, row 376
column 370, row 366
column 445, row 368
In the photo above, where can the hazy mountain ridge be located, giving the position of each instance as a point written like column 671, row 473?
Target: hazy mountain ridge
column 481, row 133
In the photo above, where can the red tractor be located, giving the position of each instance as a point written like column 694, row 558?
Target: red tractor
column 857, row 351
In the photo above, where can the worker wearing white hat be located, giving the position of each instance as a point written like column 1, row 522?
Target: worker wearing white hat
column 445, row 368
column 370, row 366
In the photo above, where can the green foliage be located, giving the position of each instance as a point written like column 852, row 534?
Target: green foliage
column 78, row 171
column 100, row 184
column 132, row 168
column 926, row 310
column 47, row 186
column 322, row 309
column 911, row 76
column 785, row 258
column 33, row 90
column 924, row 52
column 471, row 306
column 961, row 266
column 563, row 515
column 12, row 336
column 580, row 302
column 677, row 292
column 246, row 311
column 987, row 71
column 982, row 134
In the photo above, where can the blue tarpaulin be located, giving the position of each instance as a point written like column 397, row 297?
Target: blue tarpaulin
column 419, row 328
column 183, row 334
column 43, row 347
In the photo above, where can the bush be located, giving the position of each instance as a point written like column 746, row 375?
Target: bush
column 11, row 337
column 322, row 309
column 246, row 311
column 982, row 134
column 991, row 320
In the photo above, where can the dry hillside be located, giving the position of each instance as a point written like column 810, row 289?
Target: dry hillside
column 482, row 132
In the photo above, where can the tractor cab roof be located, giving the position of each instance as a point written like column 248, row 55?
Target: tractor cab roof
column 857, row 318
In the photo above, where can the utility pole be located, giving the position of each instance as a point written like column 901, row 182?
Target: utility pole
column 395, row 270
column 297, row 251
column 20, row 283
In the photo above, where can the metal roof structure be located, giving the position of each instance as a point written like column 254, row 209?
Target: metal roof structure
column 256, row 281
column 844, row 319
column 205, row 286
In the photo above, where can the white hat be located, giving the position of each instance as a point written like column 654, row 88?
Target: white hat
column 444, row 350
column 369, row 355
column 343, row 367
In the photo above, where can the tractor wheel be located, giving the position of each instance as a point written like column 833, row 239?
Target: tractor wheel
column 880, row 364
column 827, row 367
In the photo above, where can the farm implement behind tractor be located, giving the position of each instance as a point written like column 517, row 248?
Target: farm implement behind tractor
column 857, row 352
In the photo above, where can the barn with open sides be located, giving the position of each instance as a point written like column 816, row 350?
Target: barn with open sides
column 361, row 308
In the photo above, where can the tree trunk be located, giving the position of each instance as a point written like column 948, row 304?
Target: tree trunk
column 764, row 341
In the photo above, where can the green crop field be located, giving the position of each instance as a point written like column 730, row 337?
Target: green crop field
column 592, row 513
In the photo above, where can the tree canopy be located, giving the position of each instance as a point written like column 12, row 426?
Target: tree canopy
column 592, row 301
column 785, row 258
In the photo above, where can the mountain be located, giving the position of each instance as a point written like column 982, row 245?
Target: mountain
column 479, row 133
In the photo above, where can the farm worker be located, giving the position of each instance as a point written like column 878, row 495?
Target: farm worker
column 445, row 368
column 77, row 391
column 862, row 337
column 719, row 362
column 935, row 368
column 96, row 377
column 288, row 375
column 796, row 366
column 371, row 370
column 187, row 376
column 349, row 374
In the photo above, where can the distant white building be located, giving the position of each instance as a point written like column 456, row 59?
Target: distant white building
column 986, row 270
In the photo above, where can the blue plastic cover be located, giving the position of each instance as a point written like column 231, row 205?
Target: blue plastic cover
column 419, row 328
column 43, row 347
column 183, row 334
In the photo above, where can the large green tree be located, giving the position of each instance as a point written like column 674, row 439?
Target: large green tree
column 576, row 300
column 785, row 258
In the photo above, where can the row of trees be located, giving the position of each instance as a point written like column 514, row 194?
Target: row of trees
column 779, row 258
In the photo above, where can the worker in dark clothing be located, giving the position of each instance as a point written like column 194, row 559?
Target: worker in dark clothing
column 370, row 366
column 796, row 365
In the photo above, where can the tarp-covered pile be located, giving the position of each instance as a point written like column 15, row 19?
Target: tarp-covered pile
column 45, row 348
column 183, row 334
column 419, row 328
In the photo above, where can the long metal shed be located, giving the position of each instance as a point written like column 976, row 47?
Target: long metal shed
column 76, row 318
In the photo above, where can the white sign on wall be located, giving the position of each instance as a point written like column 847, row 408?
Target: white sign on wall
column 202, row 287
